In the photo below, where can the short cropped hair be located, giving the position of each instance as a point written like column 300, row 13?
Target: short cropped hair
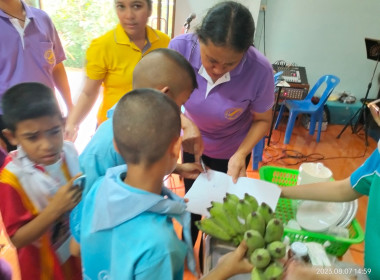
column 145, row 123
column 28, row 101
column 228, row 24
column 180, row 61
column 152, row 70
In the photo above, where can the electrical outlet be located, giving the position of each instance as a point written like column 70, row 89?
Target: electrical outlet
column 263, row 7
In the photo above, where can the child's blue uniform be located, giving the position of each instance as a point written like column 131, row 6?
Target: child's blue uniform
column 99, row 155
column 366, row 180
column 127, row 233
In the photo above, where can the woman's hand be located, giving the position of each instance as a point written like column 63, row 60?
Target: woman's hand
column 188, row 170
column 84, row 105
column 374, row 109
column 236, row 167
column 71, row 132
column 191, row 140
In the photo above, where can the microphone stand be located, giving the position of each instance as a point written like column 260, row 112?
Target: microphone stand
column 186, row 26
column 362, row 112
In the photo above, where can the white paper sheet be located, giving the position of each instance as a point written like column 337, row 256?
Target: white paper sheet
column 213, row 186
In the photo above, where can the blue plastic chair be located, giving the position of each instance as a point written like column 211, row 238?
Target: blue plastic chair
column 277, row 77
column 306, row 106
column 257, row 151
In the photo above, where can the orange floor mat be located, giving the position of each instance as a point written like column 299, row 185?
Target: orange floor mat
column 175, row 184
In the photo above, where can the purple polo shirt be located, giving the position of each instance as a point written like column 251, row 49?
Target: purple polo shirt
column 35, row 61
column 225, row 115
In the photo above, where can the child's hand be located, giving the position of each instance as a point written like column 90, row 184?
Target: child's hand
column 235, row 261
column 67, row 197
column 74, row 248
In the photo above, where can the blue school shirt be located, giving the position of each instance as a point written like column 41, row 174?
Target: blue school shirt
column 99, row 155
column 366, row 180
column 127, row 233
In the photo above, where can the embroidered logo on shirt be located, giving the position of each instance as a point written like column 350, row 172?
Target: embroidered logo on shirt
column 49, row 56
column 232, row 113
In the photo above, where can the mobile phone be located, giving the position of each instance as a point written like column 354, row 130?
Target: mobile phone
column 80, row 181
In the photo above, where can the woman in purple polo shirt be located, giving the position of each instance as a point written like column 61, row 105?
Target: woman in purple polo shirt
column 232, row 105
column 30, row 51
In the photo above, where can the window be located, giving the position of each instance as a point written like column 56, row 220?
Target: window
column 163, row 16
column 80, row 21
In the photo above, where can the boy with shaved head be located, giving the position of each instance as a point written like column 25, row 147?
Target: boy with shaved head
column 162, row 69
column 168, row 72
column 125, row 230
column 126, row 225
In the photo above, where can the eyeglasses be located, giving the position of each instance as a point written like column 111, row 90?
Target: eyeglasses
column 375, row 110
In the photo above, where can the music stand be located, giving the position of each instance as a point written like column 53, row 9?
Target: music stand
column 373, row 53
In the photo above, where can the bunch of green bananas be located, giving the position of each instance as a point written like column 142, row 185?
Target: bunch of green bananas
column 237, row 219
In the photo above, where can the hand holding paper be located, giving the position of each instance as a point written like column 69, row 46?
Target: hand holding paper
column 213, row 186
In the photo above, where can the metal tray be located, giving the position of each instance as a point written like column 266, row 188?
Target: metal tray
column 213, row 250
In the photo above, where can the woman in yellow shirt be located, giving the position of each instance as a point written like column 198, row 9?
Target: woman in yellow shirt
column 111, row 58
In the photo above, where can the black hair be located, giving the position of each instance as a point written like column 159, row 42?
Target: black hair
column 181, row 61
column 228, row 24
column 28, row 101
column 145, row 123
column 149, row 2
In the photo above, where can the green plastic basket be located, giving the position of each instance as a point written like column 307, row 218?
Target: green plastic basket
column 285, row 211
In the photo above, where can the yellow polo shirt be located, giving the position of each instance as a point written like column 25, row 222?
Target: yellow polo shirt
column 112, row 58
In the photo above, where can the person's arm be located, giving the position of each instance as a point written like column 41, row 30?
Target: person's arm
column 191, row 140
column 259, row 128
column 62, row 84
column 375, row 113
column 338, row 191
column 231, row 264
column 64, row 200
column 85, row 102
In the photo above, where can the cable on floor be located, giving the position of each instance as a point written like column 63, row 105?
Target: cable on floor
column 293, row 157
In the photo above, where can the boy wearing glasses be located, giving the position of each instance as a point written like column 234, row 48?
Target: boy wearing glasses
column 363, row 181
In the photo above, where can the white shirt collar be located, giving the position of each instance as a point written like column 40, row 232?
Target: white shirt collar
column 210, row 84
column 20, row 30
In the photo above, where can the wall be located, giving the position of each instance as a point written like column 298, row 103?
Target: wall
column 185, row 7
column 324, row 36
